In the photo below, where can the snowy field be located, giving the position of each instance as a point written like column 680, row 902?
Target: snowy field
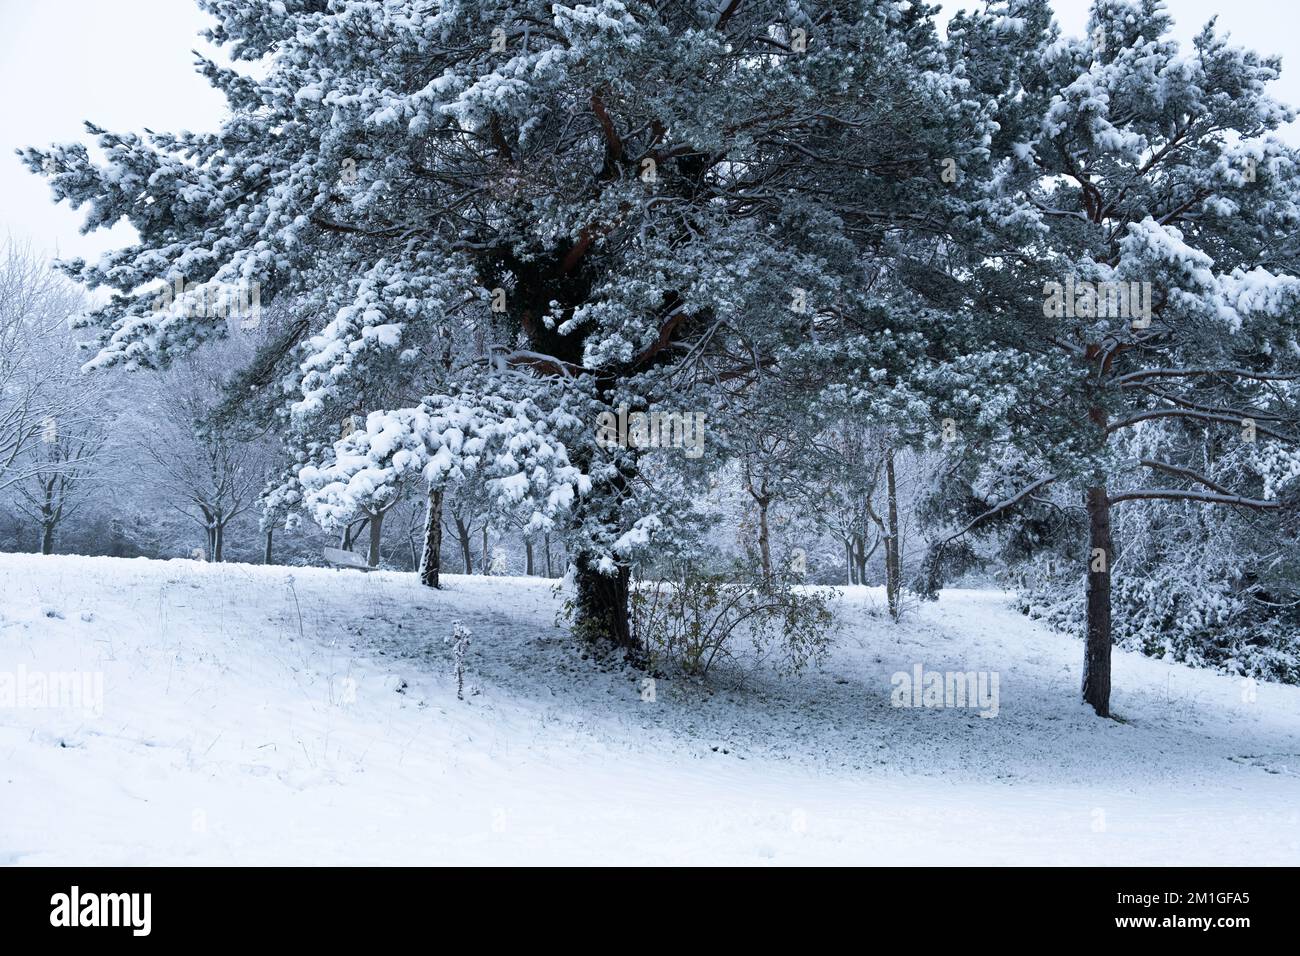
column 257, row 715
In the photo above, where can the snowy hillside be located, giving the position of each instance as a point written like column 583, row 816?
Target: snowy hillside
column 261, row 715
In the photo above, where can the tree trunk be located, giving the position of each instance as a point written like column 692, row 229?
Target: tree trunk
column 764, row 537
column 219, row 547
column 601, row 605
column 528, row 556
column 546, row 543
column 266, row 558
column 462, row 535
column 376, row 537
column 431, row 560
column 848, row 561
column 48, row 519
column 350, row 534
column 1096, row 657
column 485, row 548
column 893, row 569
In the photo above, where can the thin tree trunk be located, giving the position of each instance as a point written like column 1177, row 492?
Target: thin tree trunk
column 431, row 561
column 546, row 543
column 47, row 517
column 848, row 561
column 266, row 559
column 893, row 569
column 350, row 533
column 219, row 548
column 485, row 548
column 462, row 535
column 528, row 556
column 764, row 538
column 1096, row 658
column 376, row 538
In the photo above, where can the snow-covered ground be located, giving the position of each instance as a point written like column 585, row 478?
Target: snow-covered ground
column 270, row 715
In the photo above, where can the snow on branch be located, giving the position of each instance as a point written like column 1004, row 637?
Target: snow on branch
column 513, row 446
column 1179, row 494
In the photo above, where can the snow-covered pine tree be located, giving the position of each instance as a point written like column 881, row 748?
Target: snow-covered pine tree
column 1143, row 261
column 617, row 202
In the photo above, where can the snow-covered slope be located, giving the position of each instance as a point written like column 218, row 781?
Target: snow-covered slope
column 273, row 715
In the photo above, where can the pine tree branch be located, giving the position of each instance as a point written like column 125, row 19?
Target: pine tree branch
column 1178, row 494
column 1198, row 416
column 1000, row 507
column 1135, row 377
column 1185, row 473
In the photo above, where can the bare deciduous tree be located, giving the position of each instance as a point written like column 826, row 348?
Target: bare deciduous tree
column 204, row 470
column 36, row 305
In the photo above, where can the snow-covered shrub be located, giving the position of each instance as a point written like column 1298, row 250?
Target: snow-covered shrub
column 1196, row 610
column 460, row 637
column 692, row 619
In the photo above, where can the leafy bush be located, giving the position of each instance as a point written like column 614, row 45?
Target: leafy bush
column 692, row 620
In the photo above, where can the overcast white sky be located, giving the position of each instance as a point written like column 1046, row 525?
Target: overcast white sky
column 127, row 64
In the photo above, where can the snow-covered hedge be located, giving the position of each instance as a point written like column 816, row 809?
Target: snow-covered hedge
column 1188, row 611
